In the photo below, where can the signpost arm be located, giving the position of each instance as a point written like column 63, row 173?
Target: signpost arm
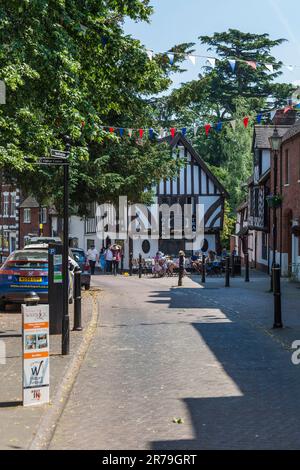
column 65, row 260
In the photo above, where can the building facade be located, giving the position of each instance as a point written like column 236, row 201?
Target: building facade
column 194, row 185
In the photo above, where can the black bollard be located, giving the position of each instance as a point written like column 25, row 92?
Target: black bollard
column 181, row 269
column 140, row 266
column 77, row 301
column 203, row 269
column 227, row 271
column 277, row 296
column 247, row 279
column 130, row 263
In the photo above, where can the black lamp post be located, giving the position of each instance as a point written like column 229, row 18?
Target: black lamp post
column 275, row 143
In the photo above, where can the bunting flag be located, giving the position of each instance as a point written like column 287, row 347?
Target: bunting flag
column 269, row 67
column 252, row 64
column 207, row 128
column 217, row 127
column 171, row 58
column 259, row 118
column 212, row 62
column 232, row 64
column 192, row 59
column 82, row 124
column 246, row 121
column 150, row 54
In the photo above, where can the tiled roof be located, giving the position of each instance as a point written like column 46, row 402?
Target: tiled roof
column 30, row 201
column 262, row 134
column 293, row 130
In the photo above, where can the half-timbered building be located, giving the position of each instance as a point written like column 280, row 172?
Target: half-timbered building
column 194, row 185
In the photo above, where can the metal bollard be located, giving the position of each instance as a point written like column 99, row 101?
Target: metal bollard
column 247, row 279
column 140, row 266
column 227, row 271
column 181, row 268
column 130, row 263
column 203, row 269
column 277, row 296
column 31, row 299
column 77, row 301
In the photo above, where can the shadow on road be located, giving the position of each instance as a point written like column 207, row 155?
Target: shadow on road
column 265, row 414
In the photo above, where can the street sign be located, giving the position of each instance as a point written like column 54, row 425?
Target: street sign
column 53, row 161
column 59, row 153
column 35, row 354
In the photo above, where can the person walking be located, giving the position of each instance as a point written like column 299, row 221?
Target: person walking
column 116, row 251
column 108, row 256
column 92, row 256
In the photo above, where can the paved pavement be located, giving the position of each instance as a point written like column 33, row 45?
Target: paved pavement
column 20, row 424
column 206, row 355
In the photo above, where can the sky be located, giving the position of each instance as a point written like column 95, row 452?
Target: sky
column 176, row 21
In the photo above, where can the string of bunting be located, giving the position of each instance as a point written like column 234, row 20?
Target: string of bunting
column 143, row 132
column 211, row 61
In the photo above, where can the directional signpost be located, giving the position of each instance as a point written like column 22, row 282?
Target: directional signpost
column 61, row 158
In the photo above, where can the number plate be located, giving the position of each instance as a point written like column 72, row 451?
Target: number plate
column 30, row 279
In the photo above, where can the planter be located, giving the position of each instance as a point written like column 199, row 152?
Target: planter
column 274, row 201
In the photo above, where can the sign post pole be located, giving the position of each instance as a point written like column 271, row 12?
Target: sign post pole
column 65, row 347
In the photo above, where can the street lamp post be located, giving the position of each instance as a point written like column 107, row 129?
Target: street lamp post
column 65, row 259
column 275, row 142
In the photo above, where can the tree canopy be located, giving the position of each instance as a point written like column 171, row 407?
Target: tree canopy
column 70, row 69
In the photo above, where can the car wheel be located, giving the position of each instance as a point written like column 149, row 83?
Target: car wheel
column 2, row 306
column 87, row 286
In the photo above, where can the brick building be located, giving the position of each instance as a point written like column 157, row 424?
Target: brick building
column 31, row 216
column 288, row 215
column 9, row 219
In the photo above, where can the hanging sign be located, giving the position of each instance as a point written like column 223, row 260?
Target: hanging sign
column 35, row 354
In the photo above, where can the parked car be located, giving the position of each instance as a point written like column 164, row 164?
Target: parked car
column 46, row 240
column 24, row 271
column 81, row 258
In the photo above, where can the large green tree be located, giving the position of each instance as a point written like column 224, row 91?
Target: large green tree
column 65, row 63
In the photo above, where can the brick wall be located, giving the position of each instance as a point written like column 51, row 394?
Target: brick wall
column 32, row 228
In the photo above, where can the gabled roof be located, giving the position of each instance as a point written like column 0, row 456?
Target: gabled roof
column 180, row 139
column 30, row 201
column 292, row 132
column 262, row 133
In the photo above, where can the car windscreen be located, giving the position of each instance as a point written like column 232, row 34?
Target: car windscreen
column 28, row 260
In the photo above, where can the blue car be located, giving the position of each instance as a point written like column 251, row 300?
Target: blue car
column 24, row 271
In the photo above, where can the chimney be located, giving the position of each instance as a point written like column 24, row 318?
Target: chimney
column 285, row 119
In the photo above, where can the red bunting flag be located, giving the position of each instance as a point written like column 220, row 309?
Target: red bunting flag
column 207, row 128
column 172, row 130
column 111, row 129
column 251, row 64
column 141, row 132
column 82, row 124
column 286, row 109
column 246, row 121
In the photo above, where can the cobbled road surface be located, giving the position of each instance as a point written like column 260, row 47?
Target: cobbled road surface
column 163, row 352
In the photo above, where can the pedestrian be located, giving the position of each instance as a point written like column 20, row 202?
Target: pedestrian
column 102, row 260
column 92, row 256
column 108, row 256
column 116, row 251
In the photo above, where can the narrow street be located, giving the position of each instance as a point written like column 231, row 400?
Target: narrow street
column 162, row 352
